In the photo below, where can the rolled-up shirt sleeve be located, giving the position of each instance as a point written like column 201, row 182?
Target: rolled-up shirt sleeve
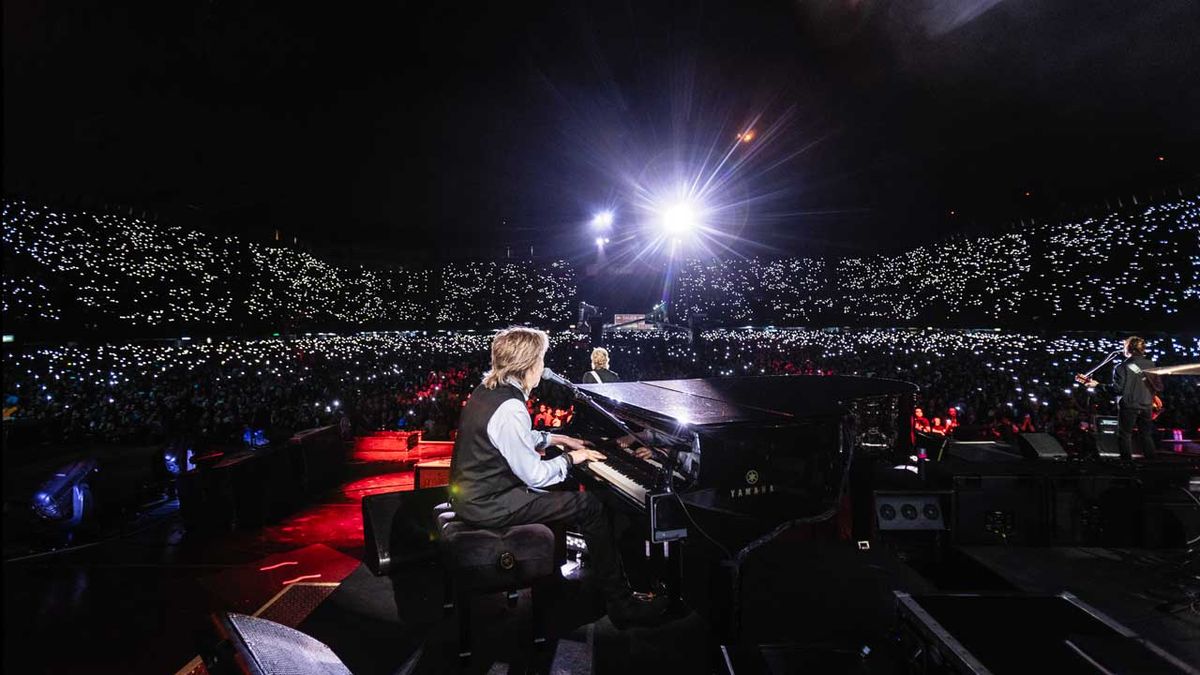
column 511, row 430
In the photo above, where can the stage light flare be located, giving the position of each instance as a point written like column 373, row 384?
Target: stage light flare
column 603, row 219
column 680, row 218
column 747, row 135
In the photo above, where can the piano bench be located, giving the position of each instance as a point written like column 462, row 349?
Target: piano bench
column 478, row 561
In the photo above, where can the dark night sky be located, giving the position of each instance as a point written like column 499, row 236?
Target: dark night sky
column 450, row 125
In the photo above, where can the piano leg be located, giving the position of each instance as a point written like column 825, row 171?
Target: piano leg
column 667, row 563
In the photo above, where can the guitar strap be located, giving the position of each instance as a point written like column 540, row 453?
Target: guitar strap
column 1137, row 370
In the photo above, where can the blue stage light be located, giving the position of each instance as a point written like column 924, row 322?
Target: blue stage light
column 66, row 498
column 179, row 460
column 257, row 438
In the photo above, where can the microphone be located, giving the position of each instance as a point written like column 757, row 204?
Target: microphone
column 554, row 377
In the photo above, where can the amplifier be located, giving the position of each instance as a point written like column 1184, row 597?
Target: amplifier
column 912, row 523
column 1106, row 435
column 911, row 510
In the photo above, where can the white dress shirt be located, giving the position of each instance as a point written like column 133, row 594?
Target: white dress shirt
column 511, row 430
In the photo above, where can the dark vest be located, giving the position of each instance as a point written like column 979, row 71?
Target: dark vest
column 483, row 488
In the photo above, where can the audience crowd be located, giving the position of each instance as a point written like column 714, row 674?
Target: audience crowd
column 1137, row 266
column 107, row 271
column 990, row 383
column 99, row 270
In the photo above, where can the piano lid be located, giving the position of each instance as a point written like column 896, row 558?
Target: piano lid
column 680, row 406
column 723, row 400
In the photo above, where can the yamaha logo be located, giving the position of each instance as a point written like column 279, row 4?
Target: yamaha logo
column 751, row 477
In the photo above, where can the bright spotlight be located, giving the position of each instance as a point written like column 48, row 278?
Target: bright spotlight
column 603, row 219
column 679, row 219
column 600, row 241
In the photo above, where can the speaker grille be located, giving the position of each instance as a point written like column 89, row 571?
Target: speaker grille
column 279, row 650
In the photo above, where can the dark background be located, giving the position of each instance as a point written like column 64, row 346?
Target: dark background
column 457, row 127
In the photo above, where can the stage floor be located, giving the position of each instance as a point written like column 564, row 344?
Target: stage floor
column 138, row 602
column 1141, row 589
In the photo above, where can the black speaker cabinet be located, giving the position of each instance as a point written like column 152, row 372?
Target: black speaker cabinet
column 1096, row 511
column 1000, row 509
column 1040, row 446
column 399, row 526
column 253, row 646
column 318, row 457
column 982, row 451
column 1107, row 446
column 223, row 495
column 206, row 498
column 1106, row 435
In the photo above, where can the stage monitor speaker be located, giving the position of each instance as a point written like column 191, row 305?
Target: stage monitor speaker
column 982, row 451
column 208, row 495
column 253, row 646
column 1040, row 446
column 319, row 458
column 399, row 526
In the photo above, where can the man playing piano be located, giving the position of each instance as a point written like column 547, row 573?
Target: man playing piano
column 497, row 473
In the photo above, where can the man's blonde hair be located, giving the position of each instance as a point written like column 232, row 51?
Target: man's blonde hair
column 514, row 352
column 599, row 358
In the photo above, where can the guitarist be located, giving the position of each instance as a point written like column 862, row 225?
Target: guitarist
column 1136, row 391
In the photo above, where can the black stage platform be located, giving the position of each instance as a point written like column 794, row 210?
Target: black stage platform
column 814, row 607
column 136, row 603
column 832, row 598
column 1140, row 588
column 382, row 625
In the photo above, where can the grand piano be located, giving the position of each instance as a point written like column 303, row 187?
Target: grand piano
column 748, row 457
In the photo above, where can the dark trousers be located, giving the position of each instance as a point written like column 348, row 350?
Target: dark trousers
column 1127, row 419
column 585, row 514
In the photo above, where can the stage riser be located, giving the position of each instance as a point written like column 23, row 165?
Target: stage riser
column 250, row 489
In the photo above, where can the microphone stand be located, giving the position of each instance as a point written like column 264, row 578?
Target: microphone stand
column 1110, row 357
column 583, row 396
column 1088, row 375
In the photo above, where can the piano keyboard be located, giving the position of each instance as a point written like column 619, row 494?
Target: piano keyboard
column 619, row 480
column 626, row 473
